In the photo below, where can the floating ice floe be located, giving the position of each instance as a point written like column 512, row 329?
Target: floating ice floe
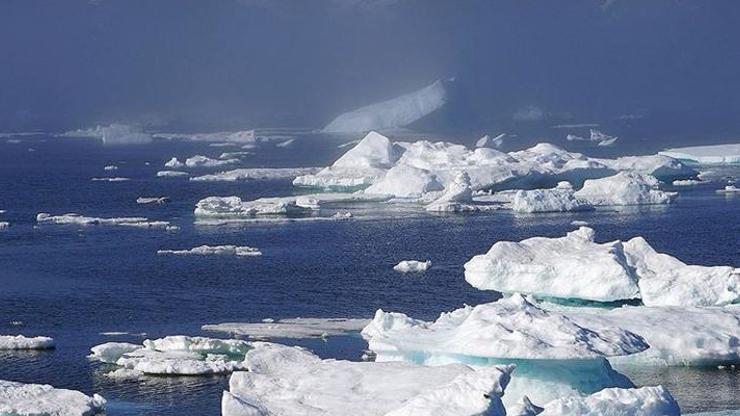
column 286, row 381
column 200, row 161
column 729, row 189
column 554, row 356
column 44, row 400
column 722, row 154
column 559, row 199
column 576, row 267
column 172, row 174
column 174, row 163
column 175, row 355
column 624, row 188
column 206, row 250
column 234, row 155
column 110, row 168
column 412, row 266
column 152, row 200
column 645, row 401
column 291, row 328
column 255, row 173
column 111, row 179
column 77, row 219
column 677, row 335
column 20, row 342
column 115, row 134
column 397, row 112
column 595, row 136
column 687, row 182
column 233, row 207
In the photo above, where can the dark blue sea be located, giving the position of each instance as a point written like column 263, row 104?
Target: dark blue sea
column 74, row 283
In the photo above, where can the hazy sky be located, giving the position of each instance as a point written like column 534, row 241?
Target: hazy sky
column 232, row 63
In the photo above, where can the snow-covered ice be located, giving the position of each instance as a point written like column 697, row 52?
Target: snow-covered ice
column 255, row 173
column 175, row 355
column 576, row 267
column 20, row 342
column 396, row 112
column 237, row 137
column 412, row 266
column 706, row 155
column 206, row 250
column 77, row 219
column 644, row 401
column 291, row 328
column 172, row 174
column 19, row 399
column 233, row 207
column 559, row 199
column 199, row 161
column 624, row 188
column 286, row 381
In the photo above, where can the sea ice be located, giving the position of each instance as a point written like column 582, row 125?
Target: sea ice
column 645, row 401
column 234, row 207
column 291, row 328
column 172, row 174
column 624, row 188
column 240, row 137
column 559, row 199
column 412, row 266
column 111, row 179
column 174, row 163
column 19, row 399
column 729, row 189
column 20, row 342
column 595, row 136
column 77, row 219
column 706, row 155
column 662, row 167
column 110, row 168
column 205, row 250
column 255, row 173
column 199, row 161
column 152, row 200
column 286, row 381
column 115, row 134
column 397, row 112
column 687, row 182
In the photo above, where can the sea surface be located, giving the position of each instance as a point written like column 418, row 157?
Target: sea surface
column 74, row 283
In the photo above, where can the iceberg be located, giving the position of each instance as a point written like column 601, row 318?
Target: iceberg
column 457, row 197
column 291, row 328
column 174, row 163
column 662, row 167
column 255, row 173
column 113, row 134
column 576, row 267
column 286, row 381
column 687, row 182
column 645, row 401
column 405, row 181
column 595, row 136
column 729, row 189
column 232, row 207
column 172, row 174
column 559, row 199
column 571, row 267
column 175, row 355
column 554, row 356
column 44, row 400
column 412, row 266
column 624, row 188
column 77, row 219
column 722, row 154
column 206, row 250
column 199, row 161
column 20, row 342
column 234, row 155
column 394, row 113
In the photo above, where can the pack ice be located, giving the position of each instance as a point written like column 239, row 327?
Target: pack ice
column 576, row 267
column 396, row 112
column 555, row 357
column 286, row 381
column 43, row 400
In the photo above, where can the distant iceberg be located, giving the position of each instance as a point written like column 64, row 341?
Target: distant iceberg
column 394, row 113
column 595, row 136
column 722, row 154
column 114, row 134
column 254, row 173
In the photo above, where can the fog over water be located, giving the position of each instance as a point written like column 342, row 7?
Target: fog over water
column 243, row 63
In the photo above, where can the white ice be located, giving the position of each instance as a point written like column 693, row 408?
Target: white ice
column 174, row 163
column 559, row 199
column 707, row 155
column 406, row 181
column 412, row 266
column 645, row 401
column 152, row 200
column 255, row 173
column 396, row 112
column 239, row 137
column 77, row 219
column 111, row 179
column 729, row 189
column 291, row 328
column 19, row 399
column 20, row 342
column 234, row 207
column 287, row 381
column 199, row 161
column 457, row 196
column 114, row 134
column 4, row 225
column 206, row 250
column 172, row 174
column 624, row 188
column 110, row 168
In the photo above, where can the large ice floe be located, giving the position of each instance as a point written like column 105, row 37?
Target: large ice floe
column 19, row 399
column 706, row 155
column 77, row 219
column 173, row 355
column 555, row 357
column 624, row 188
column 225, row 250
column 394, row 113
column 292, row 328
column 576, row 267
column 286, row 381
column 114, row 134
column 20, row 342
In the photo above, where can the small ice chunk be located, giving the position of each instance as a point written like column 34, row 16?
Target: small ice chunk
column 110, row 168
column 111, row 179
column 20, row 342
column 174, row 163
column 412, row 266
column 225, row 250
column 77, row 219
column 457, row 195
column 152, row 200
column 729, row 189
column 172, row 174
column 488, row 141
column 687, row 182
column 42, row 400
column 4, row 225
column 198, row 161
column 234, row 207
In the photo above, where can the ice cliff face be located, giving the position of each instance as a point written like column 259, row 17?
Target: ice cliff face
column 394, row 113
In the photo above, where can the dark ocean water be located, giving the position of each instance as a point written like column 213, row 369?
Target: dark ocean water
column 72, row 283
